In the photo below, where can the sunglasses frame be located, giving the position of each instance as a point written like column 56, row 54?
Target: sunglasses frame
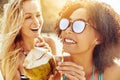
column 71, row 24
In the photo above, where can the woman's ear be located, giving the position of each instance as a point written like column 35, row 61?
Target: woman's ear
column 98, row 41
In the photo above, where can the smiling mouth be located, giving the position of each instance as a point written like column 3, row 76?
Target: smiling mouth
column 69, row 41
column 34, row 29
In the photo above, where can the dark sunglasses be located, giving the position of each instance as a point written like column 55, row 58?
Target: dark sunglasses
column 77, row 26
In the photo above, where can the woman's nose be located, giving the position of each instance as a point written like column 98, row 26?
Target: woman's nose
column 36, row 21
column 69, row 29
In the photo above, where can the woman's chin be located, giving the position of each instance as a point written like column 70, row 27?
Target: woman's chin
column 36, row 35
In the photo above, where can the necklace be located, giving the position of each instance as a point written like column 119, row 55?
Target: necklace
column 25, row 52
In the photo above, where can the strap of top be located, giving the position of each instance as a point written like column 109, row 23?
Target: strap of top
column 63, row 78
column 100, row 76
column 92, row 73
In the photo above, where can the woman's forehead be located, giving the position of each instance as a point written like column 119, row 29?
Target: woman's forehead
column 80, row 13
column 31, row 6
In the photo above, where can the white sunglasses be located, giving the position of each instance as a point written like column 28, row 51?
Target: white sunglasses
column 77, row 26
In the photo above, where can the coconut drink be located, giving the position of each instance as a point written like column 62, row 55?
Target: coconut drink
column 39, row 64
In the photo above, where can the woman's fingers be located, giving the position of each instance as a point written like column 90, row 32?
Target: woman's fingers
column 74, row 77
column 74, row 70
column 70, row 64
column 41, row 39
column 41, row 43
column 71, row 70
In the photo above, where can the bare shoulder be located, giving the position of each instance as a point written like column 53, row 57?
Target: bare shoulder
column 112, row 73
column 51, row 43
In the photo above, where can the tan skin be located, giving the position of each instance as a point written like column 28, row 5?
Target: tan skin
column 81, row 46
column 33, row 20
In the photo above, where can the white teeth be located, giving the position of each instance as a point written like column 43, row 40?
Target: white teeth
column 34, row 29
column 69, row 41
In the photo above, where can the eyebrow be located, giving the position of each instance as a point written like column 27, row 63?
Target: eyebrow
column 77, row 19
column 32, row 13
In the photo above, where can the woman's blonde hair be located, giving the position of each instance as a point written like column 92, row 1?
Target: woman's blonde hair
column 10, row 28
column 10, row 24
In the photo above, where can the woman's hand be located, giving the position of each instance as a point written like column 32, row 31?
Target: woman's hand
column 71, row 70
column 42, row 44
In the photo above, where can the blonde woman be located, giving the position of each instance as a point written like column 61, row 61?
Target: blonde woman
column 21, row 26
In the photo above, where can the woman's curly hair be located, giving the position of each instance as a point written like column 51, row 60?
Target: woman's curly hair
column 107, row 23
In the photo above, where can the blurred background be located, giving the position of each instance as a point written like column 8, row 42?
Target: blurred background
column 51, row 10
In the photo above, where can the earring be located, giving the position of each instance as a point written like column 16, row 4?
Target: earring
column 98, row 41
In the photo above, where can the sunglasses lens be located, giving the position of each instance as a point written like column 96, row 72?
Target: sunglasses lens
column 64, row 23
column 78, row 26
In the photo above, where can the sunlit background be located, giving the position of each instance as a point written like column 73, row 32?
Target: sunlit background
column 51, row 10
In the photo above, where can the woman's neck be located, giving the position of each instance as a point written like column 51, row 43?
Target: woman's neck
column 28, row 44
column 86, row 61
column 83, row 60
